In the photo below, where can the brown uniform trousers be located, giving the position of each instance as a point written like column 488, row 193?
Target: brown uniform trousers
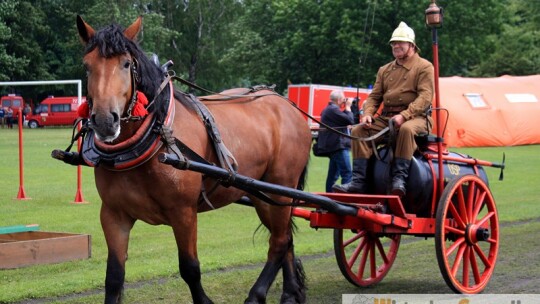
column 405, row 144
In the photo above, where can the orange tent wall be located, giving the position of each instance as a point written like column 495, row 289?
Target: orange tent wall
column 501, row 122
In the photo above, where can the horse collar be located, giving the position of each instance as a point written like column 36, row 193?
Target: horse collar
column 132, row 152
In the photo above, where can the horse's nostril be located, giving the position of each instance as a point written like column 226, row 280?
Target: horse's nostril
column 116, row 117
column 93, row 119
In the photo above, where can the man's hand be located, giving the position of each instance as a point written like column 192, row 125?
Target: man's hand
column 366, row 120
column 348, row 103
column 398, row 120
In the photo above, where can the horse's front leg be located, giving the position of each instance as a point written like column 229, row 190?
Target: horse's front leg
column 185, row 232
column 116, row 227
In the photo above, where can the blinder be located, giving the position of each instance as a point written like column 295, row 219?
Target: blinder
column 135, row 79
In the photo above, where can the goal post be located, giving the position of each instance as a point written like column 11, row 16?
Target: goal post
column 21, row 194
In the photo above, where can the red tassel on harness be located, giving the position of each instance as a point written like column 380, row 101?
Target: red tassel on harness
column 140, row 106
column 138, row 110
column 83, row 110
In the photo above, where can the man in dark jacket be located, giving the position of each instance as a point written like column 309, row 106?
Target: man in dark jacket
column 336, row 146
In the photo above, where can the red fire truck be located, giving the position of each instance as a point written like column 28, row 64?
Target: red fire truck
column 54, row 111
column 13, row 101
column 313, row 98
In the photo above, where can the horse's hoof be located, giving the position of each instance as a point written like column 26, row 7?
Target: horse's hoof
column 291, row 299
column 254, row 301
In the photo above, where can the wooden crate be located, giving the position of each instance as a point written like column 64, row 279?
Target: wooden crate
column 27, row 248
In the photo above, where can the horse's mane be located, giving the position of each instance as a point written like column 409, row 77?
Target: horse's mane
column 110, row 41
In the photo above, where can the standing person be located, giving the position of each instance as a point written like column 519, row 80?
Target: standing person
column 404, row 88
column 9, row 118
column 2, row 115
column 336, row 146
column 27, row 110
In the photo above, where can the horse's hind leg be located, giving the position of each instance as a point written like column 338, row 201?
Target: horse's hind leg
column 280, row 255
column 294, row 287
column 116, row 228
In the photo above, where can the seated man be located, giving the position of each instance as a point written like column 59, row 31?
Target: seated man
column 404, row 88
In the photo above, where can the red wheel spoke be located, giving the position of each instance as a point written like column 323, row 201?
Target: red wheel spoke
column 466, row 260
column 461, row 204
column 485, row 219
column 482, row 256
column 381, row 251
column 373, row 263
column 456, row 216
column 474, row 266
column 492, row 241
column 470, row 200
column 478, row 204
column 356, row 252
column 456, row 244
column 363, row 261
column 354, row 238
column 457, row 231
column 458, row 259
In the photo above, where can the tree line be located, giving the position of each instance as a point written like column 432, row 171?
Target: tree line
column 220, row 44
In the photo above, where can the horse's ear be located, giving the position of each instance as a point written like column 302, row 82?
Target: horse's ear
column 85, row 31
column 134, row 29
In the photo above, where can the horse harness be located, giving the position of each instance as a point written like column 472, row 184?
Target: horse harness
column 151, row 136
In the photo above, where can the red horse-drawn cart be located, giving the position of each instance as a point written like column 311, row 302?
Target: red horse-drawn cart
column 462, row 217
column 448, row 198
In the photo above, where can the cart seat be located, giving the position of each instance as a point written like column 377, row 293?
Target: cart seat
column 428, row 142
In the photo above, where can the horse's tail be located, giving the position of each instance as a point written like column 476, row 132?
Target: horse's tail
column 300, row 186
column 303, row 178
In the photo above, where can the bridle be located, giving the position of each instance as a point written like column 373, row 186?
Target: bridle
column 135, row 79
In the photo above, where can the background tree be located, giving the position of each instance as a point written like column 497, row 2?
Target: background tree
column 8, row 61
column 23, row 42
column 515, row 50
column 324, row 41
column 307, row 41
column 224, row 43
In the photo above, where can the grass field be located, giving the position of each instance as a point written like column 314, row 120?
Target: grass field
column 228, row 246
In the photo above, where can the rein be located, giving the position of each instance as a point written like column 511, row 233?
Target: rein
column 254, row 89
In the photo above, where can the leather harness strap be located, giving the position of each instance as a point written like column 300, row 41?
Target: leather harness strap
column 225, row 156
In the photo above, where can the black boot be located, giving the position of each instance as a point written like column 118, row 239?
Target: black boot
column 400, row 174
column 359, row 178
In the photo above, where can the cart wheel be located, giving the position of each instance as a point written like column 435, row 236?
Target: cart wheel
column 364, row 257
column 467, row 234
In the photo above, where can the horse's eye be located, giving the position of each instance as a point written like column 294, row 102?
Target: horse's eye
column 127, row 64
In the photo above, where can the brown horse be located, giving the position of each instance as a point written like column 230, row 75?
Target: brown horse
column 268, row 138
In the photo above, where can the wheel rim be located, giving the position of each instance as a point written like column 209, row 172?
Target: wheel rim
column 363, row 257
column 467, row 234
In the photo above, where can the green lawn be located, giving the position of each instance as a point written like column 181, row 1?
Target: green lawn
column 226, row 237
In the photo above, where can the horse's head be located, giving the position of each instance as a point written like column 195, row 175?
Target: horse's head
column 113, row 66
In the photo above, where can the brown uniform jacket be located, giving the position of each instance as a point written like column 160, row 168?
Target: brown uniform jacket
column 409, row 86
